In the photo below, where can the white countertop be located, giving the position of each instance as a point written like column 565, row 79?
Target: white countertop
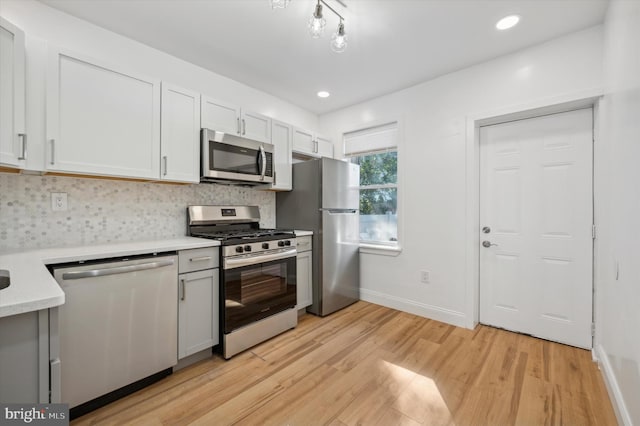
column 33, row 287
column 300, row 233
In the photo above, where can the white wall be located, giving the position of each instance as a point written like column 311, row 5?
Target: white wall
column 618, row 211
column 43, row 24
column 433, row 163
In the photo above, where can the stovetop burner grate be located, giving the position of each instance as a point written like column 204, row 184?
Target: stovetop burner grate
column 253, row 234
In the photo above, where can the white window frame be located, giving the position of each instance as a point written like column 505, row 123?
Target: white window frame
column 392, row 248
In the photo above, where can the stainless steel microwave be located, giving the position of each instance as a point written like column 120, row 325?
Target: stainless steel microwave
column 232, row 159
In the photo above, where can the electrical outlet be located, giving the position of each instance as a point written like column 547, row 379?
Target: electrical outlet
column 424, row 277
column 59, row 201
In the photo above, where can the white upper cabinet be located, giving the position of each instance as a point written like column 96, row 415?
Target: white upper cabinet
column 255, row 126
column 281, row 138
column 228, row 118
column 310, row 144
column 180, row 134
column 220, row 116
column 303, row 141
column 324, row 146
column 12, row 96
column 101, row 119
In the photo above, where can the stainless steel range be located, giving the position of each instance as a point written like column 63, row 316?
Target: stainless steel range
column 257, row 277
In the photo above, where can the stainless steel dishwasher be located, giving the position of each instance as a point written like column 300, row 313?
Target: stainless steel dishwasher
column 118, row 325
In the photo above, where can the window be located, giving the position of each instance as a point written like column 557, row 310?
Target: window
column 375, row 150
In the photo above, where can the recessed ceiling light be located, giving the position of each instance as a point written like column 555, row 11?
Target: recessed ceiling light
column 508, row 22
column 323, row 94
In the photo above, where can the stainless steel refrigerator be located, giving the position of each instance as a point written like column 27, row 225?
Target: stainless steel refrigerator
column 325, row 200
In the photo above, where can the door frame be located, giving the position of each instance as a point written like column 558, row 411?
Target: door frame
column 567, row 102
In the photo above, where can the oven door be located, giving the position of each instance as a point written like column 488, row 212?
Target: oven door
column 253, row 292
column 232, row 158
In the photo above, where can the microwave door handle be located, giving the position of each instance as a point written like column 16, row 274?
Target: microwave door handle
column 263, row 161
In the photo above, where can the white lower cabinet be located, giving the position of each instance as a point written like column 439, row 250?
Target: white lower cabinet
column 24, row 358
column 304, row 272
column 198, row 303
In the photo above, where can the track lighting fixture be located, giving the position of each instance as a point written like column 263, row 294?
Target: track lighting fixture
column 317, row 22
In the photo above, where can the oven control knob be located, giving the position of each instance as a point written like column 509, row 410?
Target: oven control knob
column 247, row 248
column 239, row 249
column 287, row 243
column 265, row 245
column 280, row 243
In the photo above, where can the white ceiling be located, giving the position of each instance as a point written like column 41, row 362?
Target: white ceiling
column 393, row 44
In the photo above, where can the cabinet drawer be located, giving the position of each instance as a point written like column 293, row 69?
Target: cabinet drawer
column 303, row 243
column 197, row 259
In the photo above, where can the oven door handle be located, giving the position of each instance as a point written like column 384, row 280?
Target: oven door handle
column 239, row 262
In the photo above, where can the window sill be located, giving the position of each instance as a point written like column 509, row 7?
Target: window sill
column 380, row 249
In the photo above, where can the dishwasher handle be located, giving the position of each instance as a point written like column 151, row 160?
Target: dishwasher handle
column 76, row 275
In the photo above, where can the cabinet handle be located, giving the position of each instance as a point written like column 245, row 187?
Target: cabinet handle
column 238, row 124
column 164, row 160
column 53, row 151
column 315, row 146
column 275, row 178
column 244, row 127
column 23, row 143
column 184, row 289
column 198, row 259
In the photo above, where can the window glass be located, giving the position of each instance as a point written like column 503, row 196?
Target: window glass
column 378, row 197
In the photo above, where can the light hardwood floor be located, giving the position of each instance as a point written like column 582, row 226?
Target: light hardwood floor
column 372, row 365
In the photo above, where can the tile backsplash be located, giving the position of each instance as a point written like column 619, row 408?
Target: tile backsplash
column 105, row 211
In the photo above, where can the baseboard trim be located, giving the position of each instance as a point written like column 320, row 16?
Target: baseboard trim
column 410, row 306
column 615, row 394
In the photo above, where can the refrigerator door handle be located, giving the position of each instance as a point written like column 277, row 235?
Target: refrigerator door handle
column 340, row 211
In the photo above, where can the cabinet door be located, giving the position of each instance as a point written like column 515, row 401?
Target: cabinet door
column 101, row 120
column 281, row 139
column 255, row 126
column 220, row 116
column 12, row 95
column 303, row 142
column 304, row 277
column 19, row 358
column 198, row 322
column 180, row 134
column 324, row 147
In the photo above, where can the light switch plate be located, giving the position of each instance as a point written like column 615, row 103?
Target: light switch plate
column 59, row 201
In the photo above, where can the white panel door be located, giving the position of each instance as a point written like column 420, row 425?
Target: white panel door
column 180, row 134
column 101, row 119
column 536, row 211
column 220, row 116
column 12, row 95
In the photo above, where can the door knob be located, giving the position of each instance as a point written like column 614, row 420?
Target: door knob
column 486, row 230
column 487, row 244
